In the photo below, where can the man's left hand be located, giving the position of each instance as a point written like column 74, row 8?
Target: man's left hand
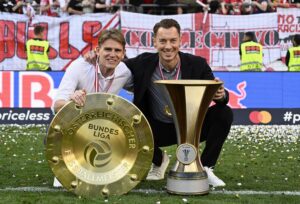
column 220, row 94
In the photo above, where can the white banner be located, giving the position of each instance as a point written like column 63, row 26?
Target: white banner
column 69, row 37
column 137, row 29
column 217, row 37
column 229, row 31
column 288, row 22
column 288, row 25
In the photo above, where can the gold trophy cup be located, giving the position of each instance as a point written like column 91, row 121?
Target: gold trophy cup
column 188, row 101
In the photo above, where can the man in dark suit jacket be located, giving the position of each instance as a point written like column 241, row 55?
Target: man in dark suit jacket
column 170, row 63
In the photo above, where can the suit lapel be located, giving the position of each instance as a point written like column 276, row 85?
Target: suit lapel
column 148, row 65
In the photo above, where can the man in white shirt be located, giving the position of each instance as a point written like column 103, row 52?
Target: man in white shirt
column 108, row 75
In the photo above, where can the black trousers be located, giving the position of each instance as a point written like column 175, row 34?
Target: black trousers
column 215, row 129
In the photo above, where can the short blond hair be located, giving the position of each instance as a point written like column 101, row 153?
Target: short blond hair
column 113, row 34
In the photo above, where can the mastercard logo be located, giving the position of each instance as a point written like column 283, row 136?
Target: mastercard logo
column 260, row 117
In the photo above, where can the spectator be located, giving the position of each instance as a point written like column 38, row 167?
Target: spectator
column 28, row 10
column 63, row 4
column 3, row 6
column 47, row 7
column 165, row 7
column 231, row 7
column 274, row 4
column 18, row 6
column 190, row 6
column 37, row 50
column 146, row 9
column 88, row 6
column 116, row 5
column 214, row 7
column 143, row 6
column 21, row 7
column 75, row 7
column 261, row 6
column 246, row 7
column 6, row 5
column 295, row 3
column 101, row 6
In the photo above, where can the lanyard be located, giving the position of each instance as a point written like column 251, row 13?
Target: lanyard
column 97, row 83
column 177, row 71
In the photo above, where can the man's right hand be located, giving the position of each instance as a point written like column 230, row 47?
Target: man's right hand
column 79, row 97
column 90, row 57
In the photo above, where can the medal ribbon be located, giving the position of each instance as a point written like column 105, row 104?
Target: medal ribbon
column 177, row 71
column 97, row 83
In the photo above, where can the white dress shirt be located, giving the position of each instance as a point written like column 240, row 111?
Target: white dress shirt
column 81, row 75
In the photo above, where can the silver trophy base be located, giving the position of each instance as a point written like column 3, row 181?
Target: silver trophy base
column 187, row 183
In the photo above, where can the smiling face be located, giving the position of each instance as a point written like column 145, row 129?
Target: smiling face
column 110, row 53
column 167, row 43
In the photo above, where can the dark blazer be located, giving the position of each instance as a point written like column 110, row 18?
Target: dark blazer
column 144, row 65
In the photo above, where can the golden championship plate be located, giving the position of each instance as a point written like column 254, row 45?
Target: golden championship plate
column 188, row 101
column 104, row 148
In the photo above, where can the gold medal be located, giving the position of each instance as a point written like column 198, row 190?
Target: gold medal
column 168, row 111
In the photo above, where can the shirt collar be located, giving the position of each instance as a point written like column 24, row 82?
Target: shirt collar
column 102, row 77
column 168, row 71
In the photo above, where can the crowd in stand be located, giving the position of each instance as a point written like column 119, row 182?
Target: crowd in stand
column 158, row 7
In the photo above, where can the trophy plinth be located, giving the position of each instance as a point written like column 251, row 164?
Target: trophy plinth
column 188, row 101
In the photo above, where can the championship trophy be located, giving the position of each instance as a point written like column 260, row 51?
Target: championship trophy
column 103, row 148
column 188, row 101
